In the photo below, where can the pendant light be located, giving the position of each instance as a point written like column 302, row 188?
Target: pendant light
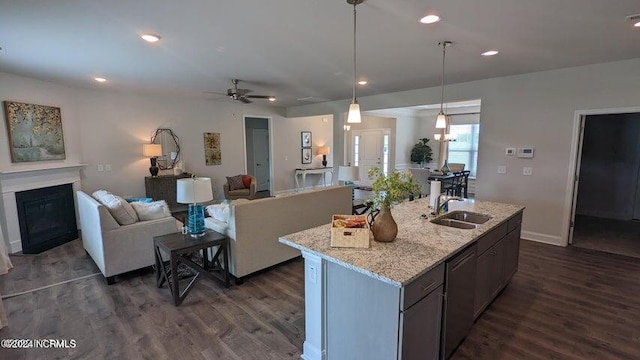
column 354, row 108
column 441, row 120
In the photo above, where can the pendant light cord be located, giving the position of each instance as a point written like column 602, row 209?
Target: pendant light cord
column 444, row 51
column 353, row 98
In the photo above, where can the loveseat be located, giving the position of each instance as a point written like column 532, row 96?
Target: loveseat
column 254, row 226
column 116, row 248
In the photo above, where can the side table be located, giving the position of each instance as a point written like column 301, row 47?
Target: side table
column 176, row 245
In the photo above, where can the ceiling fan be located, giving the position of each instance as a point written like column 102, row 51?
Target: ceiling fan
column 242, row 95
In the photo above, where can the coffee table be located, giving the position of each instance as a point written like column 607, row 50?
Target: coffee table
column 176, row 245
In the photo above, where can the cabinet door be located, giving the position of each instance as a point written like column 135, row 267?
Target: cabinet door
column 489, row 276
column 421, row 328
column 512, row 251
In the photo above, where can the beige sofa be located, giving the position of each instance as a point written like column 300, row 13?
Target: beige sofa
column 116, row 248
column 255, row 226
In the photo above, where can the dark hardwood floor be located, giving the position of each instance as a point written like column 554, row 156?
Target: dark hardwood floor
column 608, row 235
column 564, row 303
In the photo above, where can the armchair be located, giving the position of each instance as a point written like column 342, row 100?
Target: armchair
column 242, row 193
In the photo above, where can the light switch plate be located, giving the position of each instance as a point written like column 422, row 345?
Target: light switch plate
column 100, row 167
column 312, row 274
column 527, row 170
column 510, row 151
column 502, row 169
column 107, row 167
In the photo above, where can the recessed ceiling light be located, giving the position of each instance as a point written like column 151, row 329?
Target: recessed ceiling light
column 490, row 53
column 363, row 82
column 271, row 98
column 430, row 19
column 151, row 38
column 100, row 79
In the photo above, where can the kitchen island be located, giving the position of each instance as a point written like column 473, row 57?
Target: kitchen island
column 393, row 300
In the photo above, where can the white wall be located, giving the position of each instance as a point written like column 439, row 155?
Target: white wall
column 535, row 110
column 287, row 150
column 108, row 127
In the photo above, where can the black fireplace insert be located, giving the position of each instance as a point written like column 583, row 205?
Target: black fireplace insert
column 47, row 218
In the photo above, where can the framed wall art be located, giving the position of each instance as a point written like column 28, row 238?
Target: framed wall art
column 306, row 156
column 305, row 139
column 35, row 132
column 212, row 152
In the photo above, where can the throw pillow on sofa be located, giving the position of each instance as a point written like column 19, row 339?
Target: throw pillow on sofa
column 219, row 212
column 143, row 200
column 151, row 211
column 246, row 180
column 119, row 208
column 235, row 182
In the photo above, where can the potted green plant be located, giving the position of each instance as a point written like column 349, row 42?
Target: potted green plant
column 421, row 152
column 388, row 190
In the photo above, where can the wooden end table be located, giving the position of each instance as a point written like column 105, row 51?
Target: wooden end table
column 176, row 245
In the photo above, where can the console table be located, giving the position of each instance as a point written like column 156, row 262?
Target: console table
column 305, row 172
column 163, row 187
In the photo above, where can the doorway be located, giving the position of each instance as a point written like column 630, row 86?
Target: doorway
column 258, row 150
column 370, row 148
column 606, row 206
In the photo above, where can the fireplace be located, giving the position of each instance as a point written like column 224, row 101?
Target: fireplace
column 47, row 217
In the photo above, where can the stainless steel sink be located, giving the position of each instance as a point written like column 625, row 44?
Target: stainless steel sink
column 467, row 216
column 453, row 223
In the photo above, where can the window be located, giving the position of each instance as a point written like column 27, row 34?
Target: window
column 465, row 149
column 385, row 155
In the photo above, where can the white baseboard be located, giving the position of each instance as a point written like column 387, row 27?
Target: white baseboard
column 15, row 246
column 310, row 352
column 543, row 238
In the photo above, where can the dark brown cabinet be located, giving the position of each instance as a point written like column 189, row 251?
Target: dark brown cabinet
column 421, row 328
column 163, row 187
column 498, row 263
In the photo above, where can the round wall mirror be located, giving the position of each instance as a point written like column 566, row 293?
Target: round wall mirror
column 170, row 148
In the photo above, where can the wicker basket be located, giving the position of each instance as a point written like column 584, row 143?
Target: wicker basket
column 349, row 237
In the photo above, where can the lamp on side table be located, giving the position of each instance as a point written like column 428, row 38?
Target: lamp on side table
column 192, row 191
column 152, row 151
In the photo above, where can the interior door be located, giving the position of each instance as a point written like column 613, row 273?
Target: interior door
column 370, row 152
column 261, row 158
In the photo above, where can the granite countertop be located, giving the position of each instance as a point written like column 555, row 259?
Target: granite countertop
column 419, row 246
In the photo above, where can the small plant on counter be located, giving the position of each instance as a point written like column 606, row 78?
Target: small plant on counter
column 392, row 188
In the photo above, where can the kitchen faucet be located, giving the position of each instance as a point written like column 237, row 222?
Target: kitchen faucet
column 439, row 205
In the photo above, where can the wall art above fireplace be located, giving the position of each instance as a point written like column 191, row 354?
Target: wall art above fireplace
column 35, row 132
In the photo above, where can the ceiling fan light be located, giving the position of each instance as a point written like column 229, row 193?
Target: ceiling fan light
column 271, row 98
column 441, row 121
column 354, row 114
column 637, row 24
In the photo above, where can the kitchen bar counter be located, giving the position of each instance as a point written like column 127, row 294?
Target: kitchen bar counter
column 413, row 298
column 419, row 247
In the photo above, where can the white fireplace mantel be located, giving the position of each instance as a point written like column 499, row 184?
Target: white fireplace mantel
column 28, row 178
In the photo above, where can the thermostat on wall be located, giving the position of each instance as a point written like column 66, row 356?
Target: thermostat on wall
column 526, row 153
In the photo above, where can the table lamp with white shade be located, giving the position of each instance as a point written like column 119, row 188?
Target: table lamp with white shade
column 192, row 191
column 348, row 174
column 152, row 151
column 324, row 151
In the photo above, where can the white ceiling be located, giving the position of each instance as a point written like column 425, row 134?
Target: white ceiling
column 302, row 48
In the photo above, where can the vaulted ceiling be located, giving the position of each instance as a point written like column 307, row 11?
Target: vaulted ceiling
column 296, row 49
